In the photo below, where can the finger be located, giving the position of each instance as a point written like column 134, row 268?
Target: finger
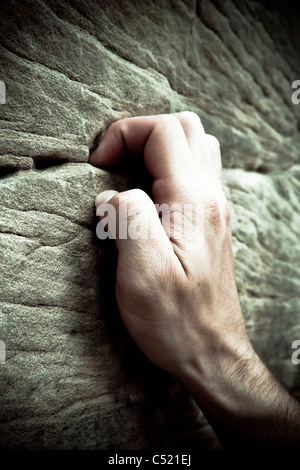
column 140, row 228
column 106, row 228
column 195, row 136
column 215, row 154
column 135, row 225
column 105, row 196
column 160, row 138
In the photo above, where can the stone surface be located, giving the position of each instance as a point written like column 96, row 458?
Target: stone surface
column 73, row 379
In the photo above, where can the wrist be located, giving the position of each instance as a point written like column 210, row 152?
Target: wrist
column 229, row 390
column 243, row 402
column 220, row 378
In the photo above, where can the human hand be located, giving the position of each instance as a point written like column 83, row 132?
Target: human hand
column 177, row 295
column 176, row 292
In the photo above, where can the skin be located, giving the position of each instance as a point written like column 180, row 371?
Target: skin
column 178, row 297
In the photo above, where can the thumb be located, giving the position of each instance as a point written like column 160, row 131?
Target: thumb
column 131, row 218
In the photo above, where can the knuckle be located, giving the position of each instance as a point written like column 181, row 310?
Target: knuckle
column 119, row 127
column 217, row 214
column 132, row 195
column 190, row 117
column 213, row 142
column 169, row 120
column 213, row 214
column 132, row 203
column 137, row 195
column 190, row 120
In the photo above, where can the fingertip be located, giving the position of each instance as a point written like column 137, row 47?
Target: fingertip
column 98, row 154
column 91, row 158
column 104, row 197
column 95, row 157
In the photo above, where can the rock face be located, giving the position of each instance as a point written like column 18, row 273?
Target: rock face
column 73, row 379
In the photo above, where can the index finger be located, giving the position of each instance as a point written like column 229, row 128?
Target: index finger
column 160, row 139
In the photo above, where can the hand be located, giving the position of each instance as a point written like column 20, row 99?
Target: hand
column 177, row 297
column 176, row 290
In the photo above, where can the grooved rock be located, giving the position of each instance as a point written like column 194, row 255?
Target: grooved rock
column 73, row 378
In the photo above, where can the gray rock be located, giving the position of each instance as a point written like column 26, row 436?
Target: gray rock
column 73, row 378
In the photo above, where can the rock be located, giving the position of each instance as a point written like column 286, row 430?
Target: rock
column 73, row 378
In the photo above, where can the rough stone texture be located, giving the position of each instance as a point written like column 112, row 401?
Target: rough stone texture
column 73, row 379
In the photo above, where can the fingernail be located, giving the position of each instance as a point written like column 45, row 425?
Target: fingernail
column 104, row 197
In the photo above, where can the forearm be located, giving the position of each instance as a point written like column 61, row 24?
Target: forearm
column 244, row 403
column 177, row 294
